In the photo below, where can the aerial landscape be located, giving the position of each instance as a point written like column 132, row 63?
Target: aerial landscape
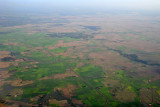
column 79, row 59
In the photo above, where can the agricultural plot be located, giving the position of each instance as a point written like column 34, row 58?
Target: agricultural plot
column 64, row 61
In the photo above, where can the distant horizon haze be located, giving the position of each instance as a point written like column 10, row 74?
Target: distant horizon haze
column 55, row 5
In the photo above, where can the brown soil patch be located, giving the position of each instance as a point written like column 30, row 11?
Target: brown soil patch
column 68, row 91
column 19, row 103
column 35, row 99
column 110, row 61
column 51, row 47
column 5, row 44
column 70, row 44
column 26, row 53
column 125, row 96
column 3, row 56
column 73, row 51
column 20, row 82
column 156, row 77
column 17, row 61
column 111, row 83
column 4, row 74
column 31, row 32
column 140, row 45
column 11, row 43
column 61, row 29
column 147, row 46
column 38, row 48
column 57, row 89
column 99, row 37
column 3, row 105
column 5, row 53
column 34, row 62
column 75, row 101
column 34, row 65
column 68, row 73
column 63, row 103
column 4, row 64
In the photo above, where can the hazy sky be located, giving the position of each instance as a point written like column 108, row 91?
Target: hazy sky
column 105, row 4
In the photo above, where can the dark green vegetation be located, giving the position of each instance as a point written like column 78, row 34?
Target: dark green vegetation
column 134, row 57
column 60, row 49
column 7, row 59
column 71, row 35
column 46, row 68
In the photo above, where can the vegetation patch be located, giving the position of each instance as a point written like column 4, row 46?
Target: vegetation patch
column 60, row 49
column 71, row 35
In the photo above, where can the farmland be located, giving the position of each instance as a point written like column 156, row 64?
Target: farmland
column 83, row 61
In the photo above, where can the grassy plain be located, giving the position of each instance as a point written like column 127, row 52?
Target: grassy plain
column 95, row 61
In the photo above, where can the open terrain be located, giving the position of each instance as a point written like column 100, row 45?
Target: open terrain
column 80, row 61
